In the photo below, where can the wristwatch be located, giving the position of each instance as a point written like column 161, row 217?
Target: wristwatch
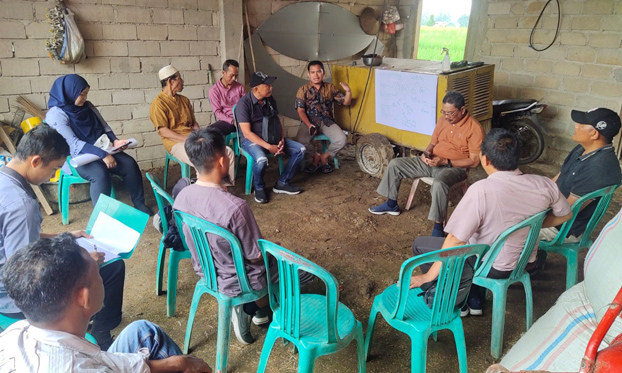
column 449, row 163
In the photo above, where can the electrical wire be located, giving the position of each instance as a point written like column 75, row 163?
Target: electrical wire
column 559, row 17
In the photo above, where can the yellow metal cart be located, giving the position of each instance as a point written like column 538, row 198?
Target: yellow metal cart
column 378, row 143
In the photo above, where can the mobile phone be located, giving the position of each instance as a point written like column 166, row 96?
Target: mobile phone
column 427, row 155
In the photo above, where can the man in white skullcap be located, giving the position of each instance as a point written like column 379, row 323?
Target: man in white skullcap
column 173, row 117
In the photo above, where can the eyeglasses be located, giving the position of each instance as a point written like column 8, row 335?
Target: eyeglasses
column 450, row 114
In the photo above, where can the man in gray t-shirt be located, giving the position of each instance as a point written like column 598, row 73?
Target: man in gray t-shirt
column 206, row 199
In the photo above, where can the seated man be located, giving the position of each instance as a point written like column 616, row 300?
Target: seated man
column 39, row 154
column 206, row 199
column 490, row 207
column 223, row 95
column 590, row 166
column 314, row 103
column 173, row 117
column 557, row 341
column 255, row 110
column 57, row 285
column 453, row 149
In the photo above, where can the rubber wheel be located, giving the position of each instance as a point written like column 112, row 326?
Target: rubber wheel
column 531, row 138
column 373, row 154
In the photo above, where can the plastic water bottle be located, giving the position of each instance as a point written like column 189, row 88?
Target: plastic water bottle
column 446, row 64
column 3, row 160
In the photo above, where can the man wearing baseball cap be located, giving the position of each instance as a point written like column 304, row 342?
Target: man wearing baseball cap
column 257, row 115
column 590, row 166
column 173, row 117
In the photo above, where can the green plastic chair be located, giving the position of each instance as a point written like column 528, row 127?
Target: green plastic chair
column 249, row 160
column 571, row 250
column 407, row 312
column 208, row 283
column 164, row 199
column 316, row 324
column 185, row 169
column 6, row 321
column 64, row 184
column 127, row 215
column 499, row 287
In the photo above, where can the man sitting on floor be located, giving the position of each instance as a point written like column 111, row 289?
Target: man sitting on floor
column 39, row 154
column 490, row 207
column 453, row 149
column 173, row 117
column 314, row 103
column 255, row 112
column 206, row 199
column 223, row 95
column 57, row 285
column 590, row 166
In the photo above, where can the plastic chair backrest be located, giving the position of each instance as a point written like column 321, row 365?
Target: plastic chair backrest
column 286, row 294
column 199, row 229
column 534, row 224
column 6, row 321
column 237, row 127
column 605, row 194
column 448, row 281
column 162, row 198
column 127, row 215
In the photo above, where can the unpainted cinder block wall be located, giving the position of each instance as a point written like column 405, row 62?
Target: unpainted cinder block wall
column 127, row 42
column 581, row 70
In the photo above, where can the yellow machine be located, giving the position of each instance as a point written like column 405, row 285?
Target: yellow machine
column 375, row 141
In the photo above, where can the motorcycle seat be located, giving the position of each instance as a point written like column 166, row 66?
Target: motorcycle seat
column 511, row 104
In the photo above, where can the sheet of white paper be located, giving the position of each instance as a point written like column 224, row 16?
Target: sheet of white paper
column 92, row 245
column 406, row 100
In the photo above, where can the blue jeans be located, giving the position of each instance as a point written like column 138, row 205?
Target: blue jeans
column 295, row 150
column 145, row 336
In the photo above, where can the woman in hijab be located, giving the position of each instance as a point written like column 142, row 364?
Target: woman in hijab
column 86, row 132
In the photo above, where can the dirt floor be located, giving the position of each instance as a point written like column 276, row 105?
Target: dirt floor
column 329, row 224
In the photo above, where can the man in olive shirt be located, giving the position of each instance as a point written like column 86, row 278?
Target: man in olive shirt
column 173, row 117
column 454, row 148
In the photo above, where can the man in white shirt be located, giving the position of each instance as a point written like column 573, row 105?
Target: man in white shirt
column 57, row 286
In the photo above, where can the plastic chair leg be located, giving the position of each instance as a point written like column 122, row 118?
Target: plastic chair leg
column 572, row 267
column 196, row 298
column 249, row 176
column 306, row 361
column 160, row 270
column 418, row 352
column 65, row 203
column 360, row 348
column 370, row 328
column 498, row 322
column 411, row 195
column 224, row 334
column 268, row 344
column 280, row 160
column 528, row 302
column 458, row 331
column 171, row 285
column 60, row 194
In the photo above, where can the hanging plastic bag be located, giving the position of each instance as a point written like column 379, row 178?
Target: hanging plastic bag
column 73, row 45
column 66, row 43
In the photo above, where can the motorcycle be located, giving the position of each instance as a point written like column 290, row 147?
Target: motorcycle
column 521, row 116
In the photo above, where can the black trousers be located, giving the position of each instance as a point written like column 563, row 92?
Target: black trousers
column 109, row 317
column 101, row 179
column 426, row 244
column 224, row 127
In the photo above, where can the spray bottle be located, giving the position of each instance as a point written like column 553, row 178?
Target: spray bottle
column 446, row 64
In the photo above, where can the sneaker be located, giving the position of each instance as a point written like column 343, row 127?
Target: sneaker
column 475, row 306
column 241, row 325
column 286, row 188
column 262, row 316
column 385, row 209
column 261, row 196
column 464, row 312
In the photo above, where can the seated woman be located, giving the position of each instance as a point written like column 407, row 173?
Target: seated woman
column 86, row 132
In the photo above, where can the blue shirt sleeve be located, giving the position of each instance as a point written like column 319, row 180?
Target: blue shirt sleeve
column 58, row 120
column 21, row 225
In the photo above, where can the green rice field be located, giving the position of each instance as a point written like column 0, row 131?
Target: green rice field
column 432, row 40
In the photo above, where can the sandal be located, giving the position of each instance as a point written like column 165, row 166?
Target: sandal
column 326, row 169
column 311, row 169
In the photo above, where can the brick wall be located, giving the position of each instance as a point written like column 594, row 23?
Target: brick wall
column 582, row 70
column 127, row 42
